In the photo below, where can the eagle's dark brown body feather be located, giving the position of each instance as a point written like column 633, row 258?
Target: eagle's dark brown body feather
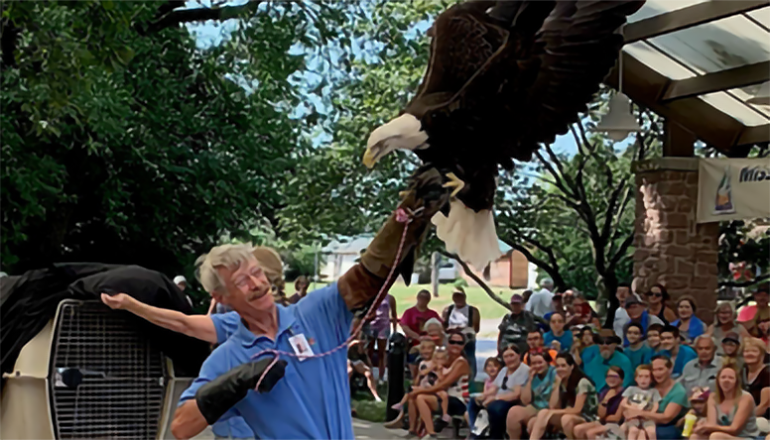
column 506, row 76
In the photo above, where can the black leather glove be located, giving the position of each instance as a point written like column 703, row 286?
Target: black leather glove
column 218, row 396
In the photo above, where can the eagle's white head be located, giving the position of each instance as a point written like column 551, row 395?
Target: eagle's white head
column 403, row 133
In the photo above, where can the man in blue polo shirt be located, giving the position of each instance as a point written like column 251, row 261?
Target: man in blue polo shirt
column 298, row 397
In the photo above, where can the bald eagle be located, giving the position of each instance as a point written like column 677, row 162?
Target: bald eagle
column 503, row 77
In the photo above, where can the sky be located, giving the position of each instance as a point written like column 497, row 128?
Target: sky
column 208, row 34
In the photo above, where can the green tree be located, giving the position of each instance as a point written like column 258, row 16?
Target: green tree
column 123, row 141
column 573, row 216
column 334, row 194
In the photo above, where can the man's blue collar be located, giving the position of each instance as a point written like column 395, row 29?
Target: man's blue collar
column 285, row 321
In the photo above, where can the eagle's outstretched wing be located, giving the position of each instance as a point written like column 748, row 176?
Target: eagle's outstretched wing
column 576, row 48
column 518, row 73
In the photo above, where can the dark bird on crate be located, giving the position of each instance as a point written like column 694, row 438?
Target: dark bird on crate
column 503, row 77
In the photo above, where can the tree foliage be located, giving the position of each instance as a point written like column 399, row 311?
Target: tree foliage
column 125, row 141
column 334, row 190
column 572, row 215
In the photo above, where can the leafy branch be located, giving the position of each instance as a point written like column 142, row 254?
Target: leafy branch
column 468, row 271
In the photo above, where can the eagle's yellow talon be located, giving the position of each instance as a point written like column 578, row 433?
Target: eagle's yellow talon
column 454, row 182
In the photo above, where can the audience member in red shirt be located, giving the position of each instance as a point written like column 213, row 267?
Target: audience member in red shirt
column 413, row 319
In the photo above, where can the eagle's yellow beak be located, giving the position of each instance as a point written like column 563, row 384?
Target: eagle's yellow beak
column 371, row 156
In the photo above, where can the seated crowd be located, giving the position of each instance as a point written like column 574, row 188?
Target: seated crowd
column 657, row 374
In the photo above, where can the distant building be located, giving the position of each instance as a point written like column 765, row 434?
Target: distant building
column 342, row 255
column 512, row 270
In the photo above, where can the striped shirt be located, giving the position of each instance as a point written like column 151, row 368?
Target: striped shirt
column 459, row 389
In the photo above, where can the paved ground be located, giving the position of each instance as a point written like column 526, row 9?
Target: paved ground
column 362, row 429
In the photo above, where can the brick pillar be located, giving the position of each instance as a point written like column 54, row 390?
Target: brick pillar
column 671, row 249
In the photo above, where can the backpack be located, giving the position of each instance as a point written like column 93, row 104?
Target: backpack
column 471, row 316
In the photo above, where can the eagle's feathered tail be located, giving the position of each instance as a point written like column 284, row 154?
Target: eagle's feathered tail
column 468, row 234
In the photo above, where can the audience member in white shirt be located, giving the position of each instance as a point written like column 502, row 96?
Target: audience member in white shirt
column 621, row 316
column 541, row 301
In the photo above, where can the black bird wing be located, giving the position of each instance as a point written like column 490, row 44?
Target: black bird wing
column 518, row 73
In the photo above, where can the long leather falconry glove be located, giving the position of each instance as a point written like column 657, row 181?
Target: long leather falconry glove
column 218, row 396
column 426, row 196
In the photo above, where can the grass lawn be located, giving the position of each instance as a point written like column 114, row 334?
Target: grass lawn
column 488, row 308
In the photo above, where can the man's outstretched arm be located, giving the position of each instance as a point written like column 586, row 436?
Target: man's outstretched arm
column 363, row 281
column 196, row 326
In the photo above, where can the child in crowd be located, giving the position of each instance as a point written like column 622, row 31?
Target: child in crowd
column 431, row 369
column 642, row 396
column 653, row 337
column 441, row 366
column 492, row 367
column 638, row 352
column 426, row 375
column 698, row 400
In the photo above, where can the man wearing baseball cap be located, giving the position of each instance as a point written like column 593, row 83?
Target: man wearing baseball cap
column 730, row 345
column 516, row 325
column 180, row 282
column 637, row 313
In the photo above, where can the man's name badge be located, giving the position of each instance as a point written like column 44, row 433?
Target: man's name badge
column 301, row 347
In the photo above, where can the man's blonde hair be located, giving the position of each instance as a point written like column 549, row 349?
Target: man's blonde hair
column 229, row 256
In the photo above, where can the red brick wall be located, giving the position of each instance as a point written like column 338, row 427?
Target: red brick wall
column 671, row 249
column 510, row 271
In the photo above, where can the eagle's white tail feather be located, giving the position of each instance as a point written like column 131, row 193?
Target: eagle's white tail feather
column 469, row 234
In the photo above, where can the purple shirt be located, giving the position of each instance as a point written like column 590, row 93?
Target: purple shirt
column 614, row 402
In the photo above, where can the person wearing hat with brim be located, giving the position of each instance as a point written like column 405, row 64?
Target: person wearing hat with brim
column 596, row 368
column 516, row 325
column 731, row 345
column 180, row 282
column 698, row 399
column 463, row 317
column 636, row 313
column 725, row 321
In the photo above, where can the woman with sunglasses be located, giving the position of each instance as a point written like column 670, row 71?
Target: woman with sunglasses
column 730, row 410
column 725, row 322
column 454, row 382
column 656, row 304
column 573, row 400
column 509, row 382
column 535, row 394
column 610, row 398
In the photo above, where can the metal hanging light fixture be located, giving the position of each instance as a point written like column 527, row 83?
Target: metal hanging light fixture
column 762, row 97
column 619, row 121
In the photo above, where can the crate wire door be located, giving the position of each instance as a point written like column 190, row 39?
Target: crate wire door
column 121, row 394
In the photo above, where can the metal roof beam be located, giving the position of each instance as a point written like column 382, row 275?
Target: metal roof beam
column 755, row 135
column 717, row 81
column 688, row 17
column 646, row 87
